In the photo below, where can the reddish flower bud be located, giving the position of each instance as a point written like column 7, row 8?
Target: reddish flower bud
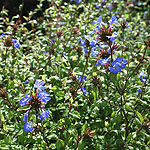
column 8, row 42
column 124, row 24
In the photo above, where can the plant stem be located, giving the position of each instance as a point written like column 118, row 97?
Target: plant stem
column 127, row 78
column 14, row 109
column 123, row 42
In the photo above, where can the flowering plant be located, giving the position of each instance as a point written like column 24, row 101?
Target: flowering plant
column 74, row 75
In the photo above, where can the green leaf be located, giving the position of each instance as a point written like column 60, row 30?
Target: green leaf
column 106, row 124
column 7, row 139
column 94, row 74
column 83, row 128
column 128, row 108
column 54, row 88
column 71, row 100
column 75, row 114
column 52, row 136
column 113, row 77
column 140, row 117
column 3, row 122
column 74, row 58
column 81, row 145
column 60, row 144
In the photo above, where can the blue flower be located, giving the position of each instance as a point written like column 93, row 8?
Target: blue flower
column 112, row 38
column 83, row 89
column 102, row 46
column 103, row 61
column 141, row 77
column 109, row 7
column 109, row 51
column 97, row 6
column 26, row 81
column 94, row 22
column 84, row 77
column 28, row 127
column 83, row 42
column 25, row 118
column 43, row 95
column 39, row 85
column 96, row 28
column 64, row 53
column 115, row 69
column 88, row 35
column 119, row 61
column 117, row 64
column 16, row 44
column 99, row 19
column 139, row 90
column 78, row 1
column 23, row 100
column 146, row 12
column 2, row 36
column 113, row 20
column 45, row 52
column 130, row 30
column 44, row 115
column 93, row 43
column 85, row 50
column 94, row 52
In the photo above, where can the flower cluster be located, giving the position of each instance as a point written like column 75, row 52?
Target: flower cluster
column 16, row 44
column 105, row 34
column 9, row 41
column 105, row 41
column 83, row 44
column 112, row 37
column 103, row 61
column 36, row 102
column 117, row 65
column 113, row 20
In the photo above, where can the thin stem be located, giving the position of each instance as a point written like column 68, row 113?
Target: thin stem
column 85, row 64
column 13, row 108
column 135, row 68
column 21, row 10
column 79, row 84
column 49, row 58
column 123, row 42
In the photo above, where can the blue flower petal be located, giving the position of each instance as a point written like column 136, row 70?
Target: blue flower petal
column 44, row 115
column 28, row 127
column 39, row 85
column 23, row 100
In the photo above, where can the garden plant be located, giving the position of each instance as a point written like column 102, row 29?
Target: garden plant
column 74, row 75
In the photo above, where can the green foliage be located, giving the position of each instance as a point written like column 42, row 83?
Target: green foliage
column 112, row 114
